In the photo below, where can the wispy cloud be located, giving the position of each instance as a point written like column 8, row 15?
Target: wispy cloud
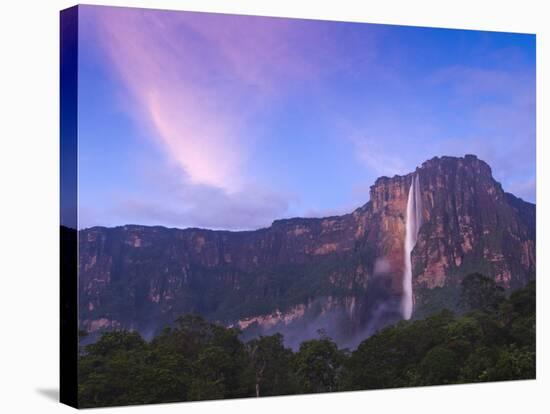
column 197, row 205
column 168, row 85
column 175, row 201
column 378, row 158
column 197, row 79
column 498, row 109
column 218, row 95
column 488, row 112
column 376, row 144
column 207, row 207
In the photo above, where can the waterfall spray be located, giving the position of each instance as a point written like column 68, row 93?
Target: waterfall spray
column 413, row 221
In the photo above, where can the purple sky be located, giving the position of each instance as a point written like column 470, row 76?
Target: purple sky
column 221, row 121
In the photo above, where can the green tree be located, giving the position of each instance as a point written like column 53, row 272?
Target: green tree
column 464, row 335
column 513, row 363
column 271, row 363
column 495, row 340
column 391, row 357
column 318, row 365
column 211, row 369
column 440, row 365
column 111, row 371
column 477, row 365
column 217, row 359
column 480, row 293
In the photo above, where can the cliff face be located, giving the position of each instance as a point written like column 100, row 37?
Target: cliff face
column 471, row 224
column 342, row 274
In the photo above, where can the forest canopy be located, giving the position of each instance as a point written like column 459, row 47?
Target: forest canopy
column 487, row 337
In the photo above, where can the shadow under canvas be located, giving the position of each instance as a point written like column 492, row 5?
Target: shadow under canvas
column 50, row 393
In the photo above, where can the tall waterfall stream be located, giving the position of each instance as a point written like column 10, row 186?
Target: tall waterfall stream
column 413, row 221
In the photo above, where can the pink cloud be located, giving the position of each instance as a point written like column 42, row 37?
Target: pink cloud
column 195, row 79
column 166, row 87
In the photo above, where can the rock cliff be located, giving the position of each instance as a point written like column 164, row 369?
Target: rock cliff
column 342, row 274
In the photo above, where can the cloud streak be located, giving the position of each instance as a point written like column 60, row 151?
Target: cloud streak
column 196, row 80
column 488, row 112
column 207, row 207
column 167, row 81
column 250, row 119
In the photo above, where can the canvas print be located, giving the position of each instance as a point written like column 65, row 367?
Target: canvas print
column 257, row 206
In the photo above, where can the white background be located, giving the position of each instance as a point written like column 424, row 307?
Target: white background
column 29, row 99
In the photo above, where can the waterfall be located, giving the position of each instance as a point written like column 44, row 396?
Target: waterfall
column 413, row 221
